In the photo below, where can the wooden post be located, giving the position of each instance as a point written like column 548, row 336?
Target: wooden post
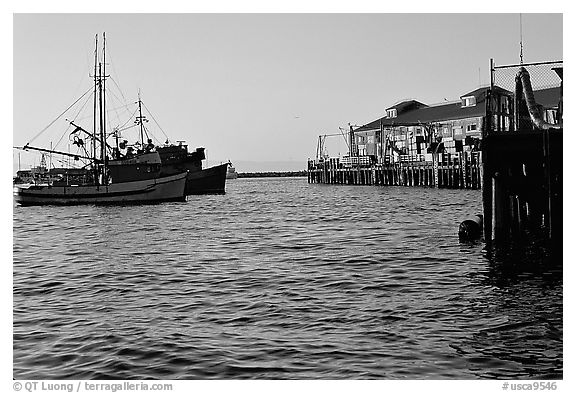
column 450, row 173
column 501, row 210
column 461, row 177
column 487, row 170
column 547, row 181
column 385, row 170
column 515, row 217
column 402, row 176
column 435, row 169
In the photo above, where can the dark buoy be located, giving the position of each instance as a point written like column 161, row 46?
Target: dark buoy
column 470, row 228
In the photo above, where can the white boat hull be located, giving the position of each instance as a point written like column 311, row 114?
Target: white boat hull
column 167, row 188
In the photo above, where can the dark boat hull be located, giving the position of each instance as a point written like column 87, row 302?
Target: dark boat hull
column 177, row 159
column 207, row 181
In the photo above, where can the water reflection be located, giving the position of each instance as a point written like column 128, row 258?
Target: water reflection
column 523, row 296
column 532, row 261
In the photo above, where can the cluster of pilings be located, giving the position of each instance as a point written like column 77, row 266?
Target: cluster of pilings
column 522, row 174
column 523, row 193
column 462, row 172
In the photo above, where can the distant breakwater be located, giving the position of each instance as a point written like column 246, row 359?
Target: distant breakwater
column 274, row 174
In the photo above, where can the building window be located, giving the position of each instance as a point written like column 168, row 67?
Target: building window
column 391, row 113
column 471, row 128
column 551, row 116
column 504, row 105
column 457, row 131
column 468, row 101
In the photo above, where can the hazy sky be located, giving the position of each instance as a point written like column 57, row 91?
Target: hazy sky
column 262, row 87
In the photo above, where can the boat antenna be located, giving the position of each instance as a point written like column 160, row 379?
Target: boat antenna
column 521, row 43
column 140, row 119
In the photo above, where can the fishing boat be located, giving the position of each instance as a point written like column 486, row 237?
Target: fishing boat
column 165, row 160
column 103, row 179
column 144, row 160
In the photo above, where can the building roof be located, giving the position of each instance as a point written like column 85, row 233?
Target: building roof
column 450, row 111
column 407, row 105
column 548, row 98
column 427, row 114
column 453, row 111
column 480, row 93
column 559, row 71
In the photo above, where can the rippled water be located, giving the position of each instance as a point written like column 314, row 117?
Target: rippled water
column 278, row 279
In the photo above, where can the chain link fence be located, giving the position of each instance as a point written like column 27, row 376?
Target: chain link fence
column 511, row 113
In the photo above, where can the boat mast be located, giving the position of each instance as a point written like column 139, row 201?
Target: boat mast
column 116, row 136
column 141, row 120
column 102, row 141
column 104, row 153
column 95, row 98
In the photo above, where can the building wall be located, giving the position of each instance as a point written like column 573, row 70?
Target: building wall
column 413, row 141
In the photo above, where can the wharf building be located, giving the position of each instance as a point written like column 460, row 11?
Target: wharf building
column 415, row 144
